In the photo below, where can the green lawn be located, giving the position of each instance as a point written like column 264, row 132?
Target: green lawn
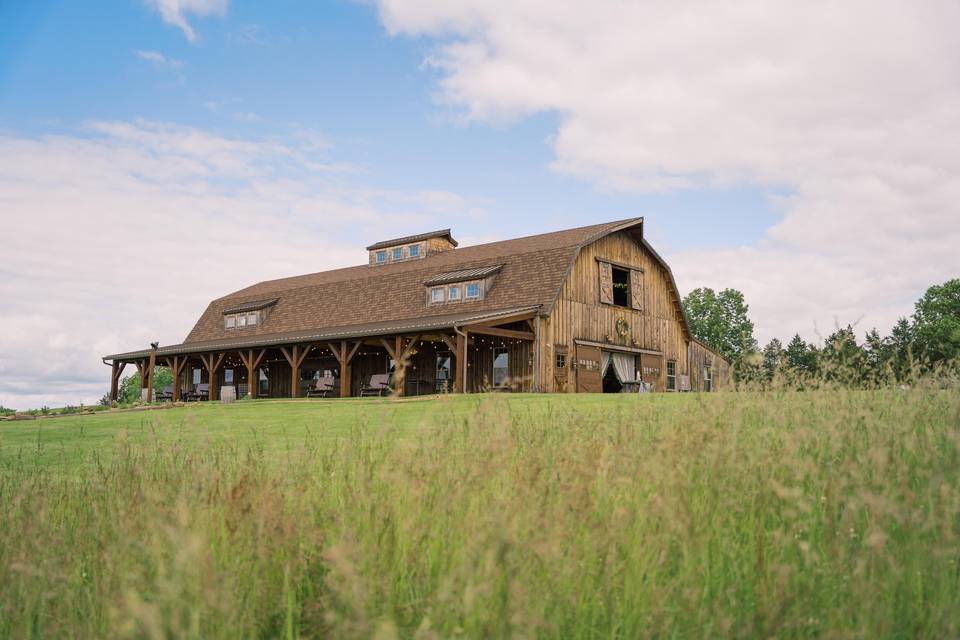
column 275, row 425
column 823, row 514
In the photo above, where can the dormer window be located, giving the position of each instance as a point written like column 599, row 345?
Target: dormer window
column 248, row 314
column 407, row 248
column 467, row 285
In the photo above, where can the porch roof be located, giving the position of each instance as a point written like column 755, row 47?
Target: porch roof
column 368, row 329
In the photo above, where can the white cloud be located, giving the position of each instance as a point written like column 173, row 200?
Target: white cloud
column 175, row 12
column 851, row 107
column 158, row 60
column 121, row 235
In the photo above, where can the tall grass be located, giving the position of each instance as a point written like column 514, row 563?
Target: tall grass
column 830, row 514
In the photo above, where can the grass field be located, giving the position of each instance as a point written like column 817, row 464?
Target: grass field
column 824, row 514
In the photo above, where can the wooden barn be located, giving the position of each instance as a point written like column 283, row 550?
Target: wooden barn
column 592, row 309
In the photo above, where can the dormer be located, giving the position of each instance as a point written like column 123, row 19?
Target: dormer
column 410, row 247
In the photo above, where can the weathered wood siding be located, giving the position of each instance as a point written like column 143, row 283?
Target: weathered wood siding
column 579, row 314
column 703, row 356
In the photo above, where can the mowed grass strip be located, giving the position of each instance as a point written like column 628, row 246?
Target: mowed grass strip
column 827, row 514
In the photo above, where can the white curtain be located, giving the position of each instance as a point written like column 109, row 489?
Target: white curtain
column 624, row 367
column 604, row 362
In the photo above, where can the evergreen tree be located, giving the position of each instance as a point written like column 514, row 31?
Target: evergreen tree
column 773, row 358
column 800, row 356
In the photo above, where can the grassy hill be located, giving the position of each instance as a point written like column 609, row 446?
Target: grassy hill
column 796, row 515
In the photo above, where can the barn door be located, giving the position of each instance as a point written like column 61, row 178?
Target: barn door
column 589, row 376
column 651, row 370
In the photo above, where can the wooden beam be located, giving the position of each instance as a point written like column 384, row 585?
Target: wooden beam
column 504, row 320
column 353, row 351
column 503, row 333
column 391, row 350
column 335, row 350
column 405, row 355
column 212, row 363
column 450, row 342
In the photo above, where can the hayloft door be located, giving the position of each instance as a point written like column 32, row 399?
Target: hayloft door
column 589, row 376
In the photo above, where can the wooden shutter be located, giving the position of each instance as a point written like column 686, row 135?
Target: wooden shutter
column 636, row 289
column 606, row 283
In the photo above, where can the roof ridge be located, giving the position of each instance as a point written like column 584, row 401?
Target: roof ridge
column 458, row 251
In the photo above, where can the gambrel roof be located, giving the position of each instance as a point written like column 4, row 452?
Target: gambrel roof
column 528, row 275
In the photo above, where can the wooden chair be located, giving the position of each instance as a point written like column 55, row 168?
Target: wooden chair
column 322, row 388
column 379, row 385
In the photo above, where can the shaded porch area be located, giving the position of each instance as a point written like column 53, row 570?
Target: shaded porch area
column 482, row 354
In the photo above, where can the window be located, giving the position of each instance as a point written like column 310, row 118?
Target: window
column 196, row 376
column 241, row 321
column 381, row 257
column 454, row 293
column 501, row 366
column 561, row 362
column 436, row 294
column 398, row 253
column 444, row 370
column 707, row 379
column 251, row 319
column 228, row 376
column 414, row 251
column 231, row 322
column 263, row 384
column 621, row 287
column 473, row 290
column 671, row 375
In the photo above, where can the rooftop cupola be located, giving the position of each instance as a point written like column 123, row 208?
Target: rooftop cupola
column 410, row 247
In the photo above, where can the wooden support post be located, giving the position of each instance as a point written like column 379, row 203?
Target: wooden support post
column 211, row 362
column 151, row 369
column 344, row 355
column 177, row 364
column 460, row 362
column 295, row 356
column 114, row 385
column 116, row 370
column 175, row 369
column 252, row 361
column 344, row 371
column 399, row 366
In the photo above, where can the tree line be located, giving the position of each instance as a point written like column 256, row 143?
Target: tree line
column 926, row 342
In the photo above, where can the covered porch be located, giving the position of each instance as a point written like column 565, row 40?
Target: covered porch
column 489, row 352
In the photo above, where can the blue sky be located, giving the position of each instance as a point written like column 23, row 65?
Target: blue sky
column 805, row 157
column 268, row 68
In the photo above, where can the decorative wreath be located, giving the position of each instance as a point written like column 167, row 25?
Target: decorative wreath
column 622, row 327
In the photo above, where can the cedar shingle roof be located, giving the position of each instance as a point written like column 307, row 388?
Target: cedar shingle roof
column 251, row 306
column 442, row 233
column 533, row 271
column 367, row 300
column 465, row 274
